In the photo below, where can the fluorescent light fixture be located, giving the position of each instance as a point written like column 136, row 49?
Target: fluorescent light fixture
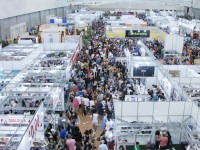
column 136, row 65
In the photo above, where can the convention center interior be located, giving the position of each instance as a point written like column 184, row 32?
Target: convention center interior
column 100, row 75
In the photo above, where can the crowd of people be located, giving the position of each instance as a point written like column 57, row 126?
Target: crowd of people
column 94, row 81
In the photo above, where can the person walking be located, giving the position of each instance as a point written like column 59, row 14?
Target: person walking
column 95, row 120
column 102, row 146
column 70, row 143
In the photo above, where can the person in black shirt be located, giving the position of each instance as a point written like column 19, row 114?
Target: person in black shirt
column 169, row 139
column 157, row 143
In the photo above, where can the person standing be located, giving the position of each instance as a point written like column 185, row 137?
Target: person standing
column 60, row 123
column 157, row 143
column 102, row 146
column 95, row 120
column 163, row 142
column 70, row 143
column 63, row 134
column 75, row 105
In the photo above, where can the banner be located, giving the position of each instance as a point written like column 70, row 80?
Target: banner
column 137, row 33
column 36, row 126
column 32, row 39
column 10, row 119
column 51, row 37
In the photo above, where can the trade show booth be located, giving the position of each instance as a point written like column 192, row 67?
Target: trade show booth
column 16, row 57
column 139, row 122
column 83, row 19
column 18, row 131
column 37, row 90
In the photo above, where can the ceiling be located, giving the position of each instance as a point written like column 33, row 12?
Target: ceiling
column 138, row 4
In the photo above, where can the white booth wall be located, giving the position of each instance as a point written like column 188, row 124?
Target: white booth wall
column 153, row 111
column 174, row 42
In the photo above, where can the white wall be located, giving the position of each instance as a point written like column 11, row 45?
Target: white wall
column 10, row 8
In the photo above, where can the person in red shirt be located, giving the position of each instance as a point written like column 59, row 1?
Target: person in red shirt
column 163, row 142
column 112, row 145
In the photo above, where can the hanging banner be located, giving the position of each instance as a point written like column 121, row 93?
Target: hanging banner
column 137, row 33
column 36, row 126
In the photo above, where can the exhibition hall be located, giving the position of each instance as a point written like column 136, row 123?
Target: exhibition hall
column 100, row 75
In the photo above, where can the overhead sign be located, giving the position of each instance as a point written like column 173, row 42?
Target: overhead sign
column 137, row 33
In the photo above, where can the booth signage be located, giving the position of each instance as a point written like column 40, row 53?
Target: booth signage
column 137, row 33
column 32, row 39
column 51, row 37
column 14, row 120
column 14, row 139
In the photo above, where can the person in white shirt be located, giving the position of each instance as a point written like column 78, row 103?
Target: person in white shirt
column 86, row 102
column 100, row 96
column 95, row 120
column 109, row 135
column 110, row 55
column 91, row 103
column 102, row 146
column 109, row 124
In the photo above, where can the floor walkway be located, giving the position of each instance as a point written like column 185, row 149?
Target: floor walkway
column 85, row 123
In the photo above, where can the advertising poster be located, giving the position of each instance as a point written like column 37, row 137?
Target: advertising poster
column 167, row 86
column 51, row 37
column 176, row 96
